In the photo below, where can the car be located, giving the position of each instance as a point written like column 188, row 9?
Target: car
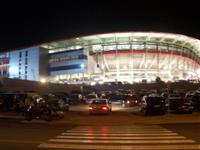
column 90, row 98
column 75, row 99
column 100, row 106
column 180, row 105
column 57, row 102
column 116, row 99
column 130, row 100
column 152, row 104
column 195, row 101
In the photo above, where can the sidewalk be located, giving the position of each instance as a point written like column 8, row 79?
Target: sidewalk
column 10, row 115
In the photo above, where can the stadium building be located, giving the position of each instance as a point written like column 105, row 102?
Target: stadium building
column 119, row 57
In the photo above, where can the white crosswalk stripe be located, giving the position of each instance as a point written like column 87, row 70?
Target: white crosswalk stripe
column 136, row 137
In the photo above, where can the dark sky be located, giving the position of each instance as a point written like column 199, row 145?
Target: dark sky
column 26, row 24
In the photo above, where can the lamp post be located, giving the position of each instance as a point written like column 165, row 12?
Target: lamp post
column 83, row 66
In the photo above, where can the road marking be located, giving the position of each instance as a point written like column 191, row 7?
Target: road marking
column 126, row 138
column 121, row 147
column 121, row 141
column 116, row 130
column 119, row 134
column 121, row 137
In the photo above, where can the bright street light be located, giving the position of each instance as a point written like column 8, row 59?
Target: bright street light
column 43, row 80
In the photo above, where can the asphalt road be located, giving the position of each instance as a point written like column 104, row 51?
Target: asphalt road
column 19, row 134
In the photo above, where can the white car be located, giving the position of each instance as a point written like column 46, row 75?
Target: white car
column 100, row 106
column 90, row 98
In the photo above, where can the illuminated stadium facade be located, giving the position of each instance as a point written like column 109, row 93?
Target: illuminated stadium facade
column 128, row 57
column 114, row 57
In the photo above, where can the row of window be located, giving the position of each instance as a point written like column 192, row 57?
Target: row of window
column 4, row 73
column 67, row 58
column 141, row 46
column 20, row 54
column 4, row 55
column 26, row 64
column 138, row 47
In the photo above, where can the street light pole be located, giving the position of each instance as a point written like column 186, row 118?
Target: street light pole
column 168, row 100
column 83, row 66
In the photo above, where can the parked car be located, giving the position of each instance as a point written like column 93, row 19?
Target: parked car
column 116, row 99
column 100, row 106
column 90, row 98
column 195, row 101
column 62, row 95
column 130, row 100
column 179, row 105
column 75, row 98
column 152, row 104
column 43, row 109
column 57, row 102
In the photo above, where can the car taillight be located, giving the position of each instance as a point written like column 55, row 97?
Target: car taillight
column 104, row 108
column 90, row 108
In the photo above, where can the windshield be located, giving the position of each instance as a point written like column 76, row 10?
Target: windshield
column 154, row 100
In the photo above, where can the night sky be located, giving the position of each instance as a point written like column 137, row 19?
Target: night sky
column 27, row 24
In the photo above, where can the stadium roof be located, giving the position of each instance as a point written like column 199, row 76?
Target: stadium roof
column 125, row 37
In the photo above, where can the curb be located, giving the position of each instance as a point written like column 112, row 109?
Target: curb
column 10, row 117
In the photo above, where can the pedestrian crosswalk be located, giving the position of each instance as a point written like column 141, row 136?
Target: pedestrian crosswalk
column 136, row 137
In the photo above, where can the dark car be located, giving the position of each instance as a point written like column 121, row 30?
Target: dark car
column 195, row 101
column 116, row 99
column 43, row 109
column 179, row 105
column 75, row 99
column 152, row 104
column 130, row 100
column 57, row 102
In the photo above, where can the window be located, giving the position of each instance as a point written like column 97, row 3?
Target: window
column 123, row 46
column 110, row 47
column 26, row 61
column 4, row 73
column 26, row 53
column 20, row 54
